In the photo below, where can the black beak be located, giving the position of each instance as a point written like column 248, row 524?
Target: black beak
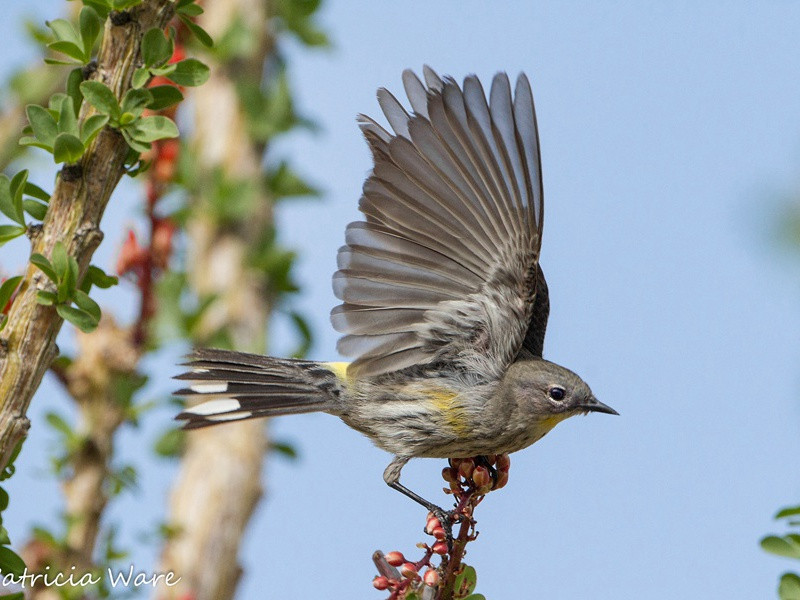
column 594, row 405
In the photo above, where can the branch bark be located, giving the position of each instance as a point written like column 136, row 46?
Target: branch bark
column 27, row 345
column 219, row 483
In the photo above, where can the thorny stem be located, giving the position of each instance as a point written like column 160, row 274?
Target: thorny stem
column 469, row 480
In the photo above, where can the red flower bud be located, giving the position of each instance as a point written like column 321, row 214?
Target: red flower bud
column 131, row 254
column 481, row 477
column 440, row 548
column 160, row 80
column 178, row 54
column 502, row 480
column 439, row 533
column 450, row 475
column 168, row 149
column 503, row 462
column 431, row 577
column 409, row 570
column 163, row 232
column 395, row 558
column 466, row 468
column 431, row 525
column 380, row 582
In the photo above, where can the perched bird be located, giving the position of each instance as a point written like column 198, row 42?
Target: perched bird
column 444, row 305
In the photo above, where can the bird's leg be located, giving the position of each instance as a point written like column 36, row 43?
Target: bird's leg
column 392, row 477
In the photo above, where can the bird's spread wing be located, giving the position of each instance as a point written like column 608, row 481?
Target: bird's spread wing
column 445, row 266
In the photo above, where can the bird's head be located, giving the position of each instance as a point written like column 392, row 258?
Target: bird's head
column 550, row 392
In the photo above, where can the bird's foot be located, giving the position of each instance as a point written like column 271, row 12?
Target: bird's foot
column 440, row 518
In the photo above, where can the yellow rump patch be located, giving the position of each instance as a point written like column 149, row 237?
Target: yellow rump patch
column 338, row 368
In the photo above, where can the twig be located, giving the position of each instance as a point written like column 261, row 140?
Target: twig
column 73, row 217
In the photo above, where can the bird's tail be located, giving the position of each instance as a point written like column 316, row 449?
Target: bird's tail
column 232, row 386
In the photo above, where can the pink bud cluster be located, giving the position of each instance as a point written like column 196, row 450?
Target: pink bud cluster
column 400, row 575
column 475, row 475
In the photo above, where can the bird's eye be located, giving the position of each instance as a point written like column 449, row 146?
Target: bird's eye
column 557, row 393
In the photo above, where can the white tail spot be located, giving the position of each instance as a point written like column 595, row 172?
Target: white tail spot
column 214, row 407
column 209, row 388
column 230, row 417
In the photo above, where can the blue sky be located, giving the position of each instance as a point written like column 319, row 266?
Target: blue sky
column 670, row 133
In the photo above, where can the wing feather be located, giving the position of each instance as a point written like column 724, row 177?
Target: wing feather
column 444, row 268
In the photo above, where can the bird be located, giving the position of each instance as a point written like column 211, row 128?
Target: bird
column 444, row 304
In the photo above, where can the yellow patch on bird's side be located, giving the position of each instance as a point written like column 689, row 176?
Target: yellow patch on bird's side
column 338, row 368
column 454, row 415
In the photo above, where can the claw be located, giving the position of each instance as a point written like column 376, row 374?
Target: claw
column 446, row 519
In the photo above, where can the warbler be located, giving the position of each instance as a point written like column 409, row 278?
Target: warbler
column 444, row 304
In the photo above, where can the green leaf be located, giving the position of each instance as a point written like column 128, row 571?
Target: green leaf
column 171, row 443
column 71, row 279
column 91, row 127
column 85, row 303
column 9, row 232
column 32, row 141
column 789, row 511
column 7, row 289
column 781, row 546
column 35, row 209
column 60, row 260
column 33, row 190
column 190, row 72
column 164, row 96
column 164, row 71
column 58, row 423
column 10, row 563
column 789, row 587
column 135, row 101
column 466, row 580
column 284, row 182
column 190, row 9
column 101, row 97
column 81, row 319
column 44, row 126
column 53, row 61
column 156, row 127
column 304, row 331
column 67, row 123
column 156, row 49
column 133, row 143
column 63, row 30
column 44, row 266
column 200, row 33
column 95, row 276
column 124, row 4
column 46, row 298
column 74, row 88
column 4, row 539
column 3, row 499
column 11, row 202
column 140, row 77
column 284, row 448
column 68, row 48
column 90, row 25
column 67, row 149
